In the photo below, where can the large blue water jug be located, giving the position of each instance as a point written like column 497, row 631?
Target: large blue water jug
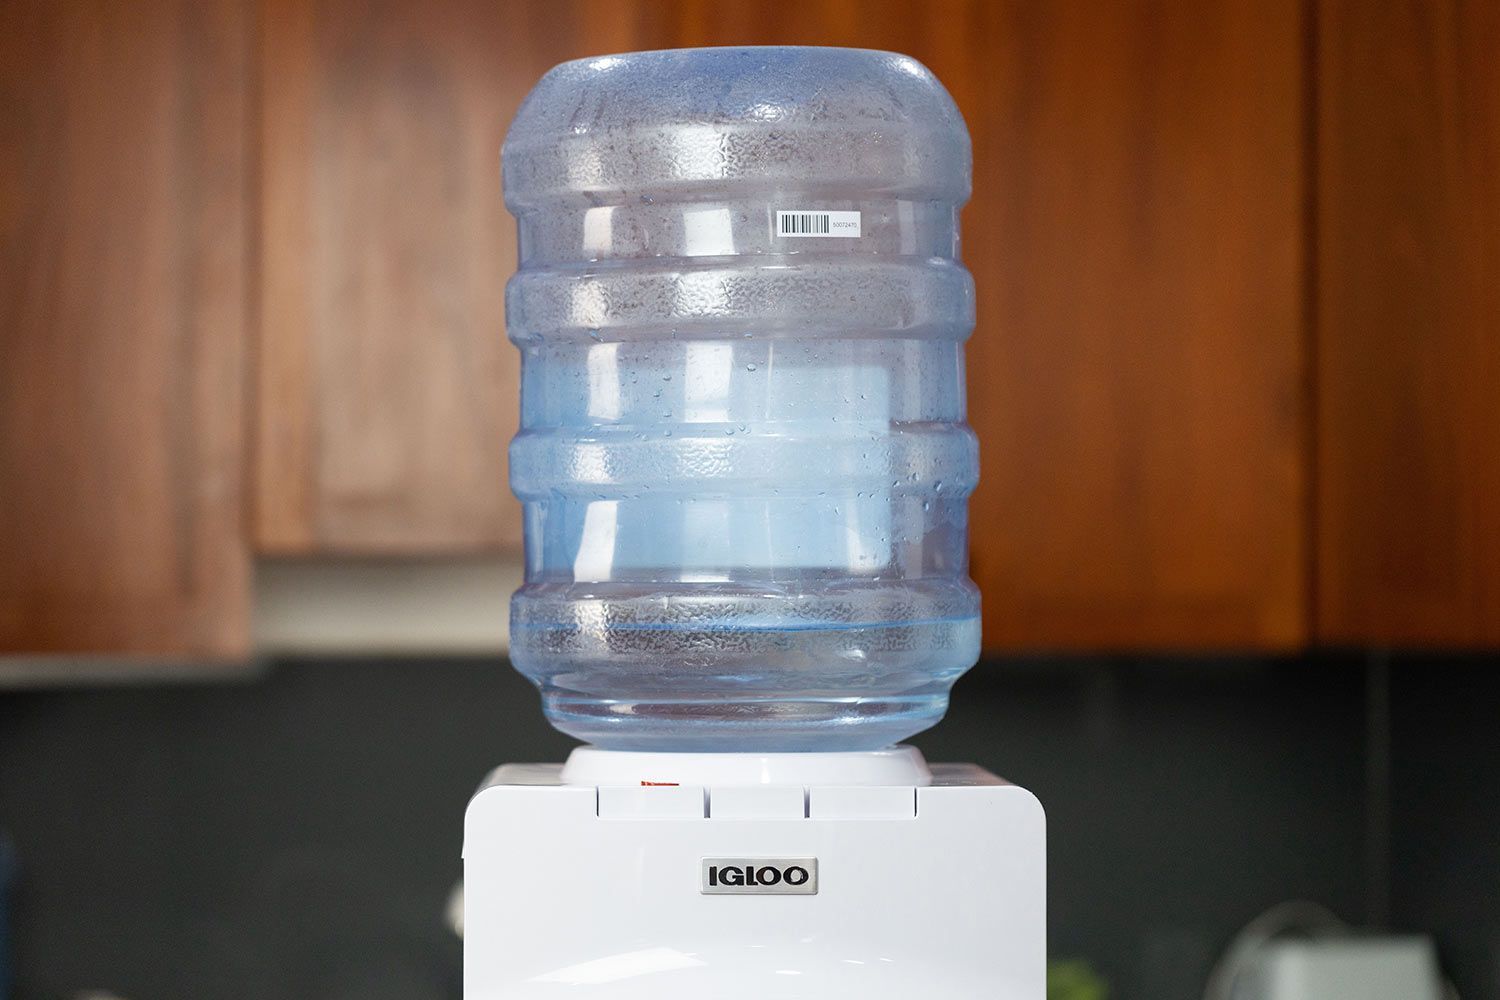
column 743, row 459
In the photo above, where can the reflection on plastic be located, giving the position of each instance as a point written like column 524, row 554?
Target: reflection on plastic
column 613, row 968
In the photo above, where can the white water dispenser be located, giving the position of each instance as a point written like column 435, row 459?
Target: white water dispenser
column 745, row 468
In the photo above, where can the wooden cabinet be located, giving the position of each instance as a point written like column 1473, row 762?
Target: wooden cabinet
column 1147, row 232
column 385, row 386
column 1138, row 372
column 1234, row 372
column 1408, row 323
column 123, row 255
column 1137, row 376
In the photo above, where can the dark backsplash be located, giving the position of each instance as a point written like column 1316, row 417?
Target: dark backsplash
column 296, row 838
column 1445, row 808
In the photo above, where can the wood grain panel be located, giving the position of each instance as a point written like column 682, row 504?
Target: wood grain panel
column 1138, row 374
column 382, row 373
column 387, row 392
column 1408, row 323
column 122, row 323
column 1136, row 233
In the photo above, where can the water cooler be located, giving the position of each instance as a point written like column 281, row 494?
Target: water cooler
column 745, row 468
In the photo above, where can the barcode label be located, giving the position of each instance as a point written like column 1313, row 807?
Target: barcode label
column 800, row 222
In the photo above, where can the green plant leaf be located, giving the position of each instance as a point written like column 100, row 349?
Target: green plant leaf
column 1075, row 979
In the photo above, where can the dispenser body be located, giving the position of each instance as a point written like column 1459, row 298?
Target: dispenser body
column 744, row 466
column 754, row 891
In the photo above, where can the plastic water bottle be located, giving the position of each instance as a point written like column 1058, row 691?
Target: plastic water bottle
column 743, row 459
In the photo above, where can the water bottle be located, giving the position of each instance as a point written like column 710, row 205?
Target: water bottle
column 743, row 459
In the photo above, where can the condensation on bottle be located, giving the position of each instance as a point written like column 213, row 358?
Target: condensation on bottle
column 743, row 457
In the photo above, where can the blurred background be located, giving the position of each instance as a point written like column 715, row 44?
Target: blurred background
column 1236, row 378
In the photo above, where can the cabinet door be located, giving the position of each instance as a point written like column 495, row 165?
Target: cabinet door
column 387, row 391
column 122, row 322
column 1136, row 233
column 1137, row 378
column 1408, row 322
column 1138, row 374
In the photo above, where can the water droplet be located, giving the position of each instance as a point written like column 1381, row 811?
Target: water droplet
column 750, row 367
column 666, row 432
column 926, row 505
column 596, row 335
column 646, row 199
column 937, row 487
column 656, row 394
column 667, row 377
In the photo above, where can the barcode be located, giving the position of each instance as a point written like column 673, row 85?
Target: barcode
column 801, row 222
column 805, row 224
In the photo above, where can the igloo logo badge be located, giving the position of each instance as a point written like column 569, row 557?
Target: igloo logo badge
column 759, row 876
